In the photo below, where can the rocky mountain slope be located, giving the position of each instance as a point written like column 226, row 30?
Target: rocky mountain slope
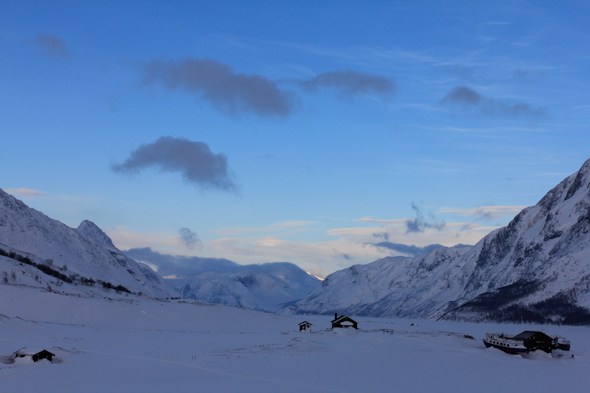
column 40, row 251
column 262, row 287
column 537, row 268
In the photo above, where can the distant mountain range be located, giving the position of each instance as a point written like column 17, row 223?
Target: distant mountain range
column 536, row 269
column 267, row 286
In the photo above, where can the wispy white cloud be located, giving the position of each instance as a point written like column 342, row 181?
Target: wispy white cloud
column 25, row 192
column 125, row 238
column 585, row 107
column 493, row 23
column 483, row 211
column 340, row 247
column 476, row 64
column 381, row 220
column 292, row 226
column 422, row 106
column 320, row 258
column 488, row 132
column 396, row 230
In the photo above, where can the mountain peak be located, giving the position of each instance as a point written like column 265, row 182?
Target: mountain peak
column 582, row 177
column 9, row 202
column 82, row 260
column 92, row 232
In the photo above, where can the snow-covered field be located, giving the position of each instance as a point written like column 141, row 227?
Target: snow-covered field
column 149, row 346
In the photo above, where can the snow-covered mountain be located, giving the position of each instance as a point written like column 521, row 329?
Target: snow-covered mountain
column 40, row 251
column 265, row 286
column 537, row 268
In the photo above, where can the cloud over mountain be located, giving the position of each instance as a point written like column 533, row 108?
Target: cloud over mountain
column 484, row 212
column 25, row 192
column 407, row 249
column 194, row 160
column 420, row 223
column 189, row 238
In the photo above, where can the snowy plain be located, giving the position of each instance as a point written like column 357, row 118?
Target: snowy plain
column 143, row 345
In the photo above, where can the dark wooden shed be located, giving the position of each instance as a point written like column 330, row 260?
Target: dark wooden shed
column 44, row 354
column 343, row 321
column 303, row 326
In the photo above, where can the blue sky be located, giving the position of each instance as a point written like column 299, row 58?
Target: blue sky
column 324, row 133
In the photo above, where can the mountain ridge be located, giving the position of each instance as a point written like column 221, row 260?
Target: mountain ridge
column 80, row 257
column 264, row 286
column 544, row 251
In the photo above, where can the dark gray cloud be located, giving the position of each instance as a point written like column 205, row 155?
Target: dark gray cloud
column 52, row 45
column 343, row 255
column 194, row 160
column 463, row 95
column 420, row 223
column 220, row 85
column 235, row 93
column 468, row 98
column 189, row 238
column 409, row 250
column 350, row 83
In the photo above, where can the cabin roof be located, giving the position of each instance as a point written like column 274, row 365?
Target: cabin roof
column 343, row 318
column 45, row 352
column 528, row 334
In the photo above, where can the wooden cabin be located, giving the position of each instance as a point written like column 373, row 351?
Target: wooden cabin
column 343, row 321
column 304, row 326
column 536, row 340
column 44, row 354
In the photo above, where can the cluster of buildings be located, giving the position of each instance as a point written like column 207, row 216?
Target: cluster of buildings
column 342, row 321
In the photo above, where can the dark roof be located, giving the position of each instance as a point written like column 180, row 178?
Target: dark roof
column 44, row 354
column 342, row 318
column 529, row 334
column 344, row 321
column 304, row 323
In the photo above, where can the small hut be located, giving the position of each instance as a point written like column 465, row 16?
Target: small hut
column 44, row 354
column 304, row 326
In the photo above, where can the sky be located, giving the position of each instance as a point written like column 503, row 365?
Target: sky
column 323, row 133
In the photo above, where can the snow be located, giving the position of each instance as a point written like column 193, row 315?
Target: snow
column 83, row 252
column 142, row 345
column 546, row 246
column 264, row 287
